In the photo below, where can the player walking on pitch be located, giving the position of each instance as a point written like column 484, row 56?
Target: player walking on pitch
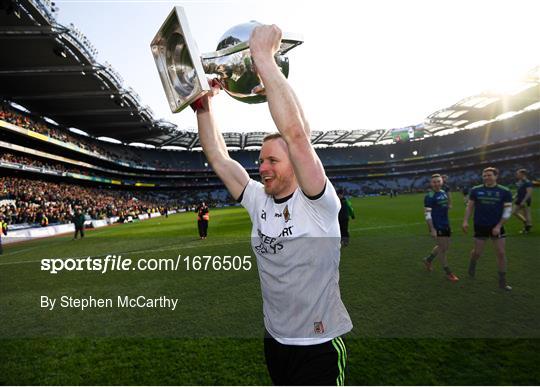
column 436, row 214
column 522, row 210
column 295, row 234
column 346, row 211
column 492, row 206
column 203, row 217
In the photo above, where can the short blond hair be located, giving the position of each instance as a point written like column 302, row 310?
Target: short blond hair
column 272, row 136
column 524, row 171
column 491, row 169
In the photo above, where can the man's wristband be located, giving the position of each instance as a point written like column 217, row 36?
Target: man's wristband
column 197, row 105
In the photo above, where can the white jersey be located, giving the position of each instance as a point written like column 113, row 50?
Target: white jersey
column 297, row 244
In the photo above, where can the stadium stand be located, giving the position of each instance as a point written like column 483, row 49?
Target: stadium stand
column 28, row 201
column 455, row 151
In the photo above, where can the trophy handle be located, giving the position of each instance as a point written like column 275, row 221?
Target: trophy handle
column 288, row 42
column 210, row 60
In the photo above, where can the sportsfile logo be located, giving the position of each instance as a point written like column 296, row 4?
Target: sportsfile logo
column 102, row 265
column 118, row 263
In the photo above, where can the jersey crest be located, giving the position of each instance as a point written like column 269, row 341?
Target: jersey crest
column 318, row 327
column 286, row 213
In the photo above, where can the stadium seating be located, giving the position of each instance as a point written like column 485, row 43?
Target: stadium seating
column 104, row 179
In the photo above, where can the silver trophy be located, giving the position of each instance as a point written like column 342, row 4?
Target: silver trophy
column 184, row 72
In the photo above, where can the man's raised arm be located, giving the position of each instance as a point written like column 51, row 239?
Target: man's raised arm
column 233, row 175
column 286, row 110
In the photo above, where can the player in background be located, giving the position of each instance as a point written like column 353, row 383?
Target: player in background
column 446, row 188
column 346, row 211
column 44, row 220
column 492, row 207
column 203, row 217
column 3, row 231
column 78, row 221
column 522, row 210
column 436, row 214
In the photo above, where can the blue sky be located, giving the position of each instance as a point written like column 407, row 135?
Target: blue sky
column 364, row 64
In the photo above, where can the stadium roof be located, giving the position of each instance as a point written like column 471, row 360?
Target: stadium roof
column 488, row 106
column 51, row 70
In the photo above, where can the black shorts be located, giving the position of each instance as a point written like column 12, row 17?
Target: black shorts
column 443, row 231
column 527, row 203
column 319, row 364
column 484, row 232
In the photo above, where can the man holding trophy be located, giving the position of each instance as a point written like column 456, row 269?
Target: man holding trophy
column 294, row 211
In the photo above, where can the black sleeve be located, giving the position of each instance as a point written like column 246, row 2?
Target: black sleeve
column 239, row 200
column 315, row 197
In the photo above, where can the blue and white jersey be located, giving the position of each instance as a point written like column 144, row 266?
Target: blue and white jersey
column 489, row 203
column 437, row 202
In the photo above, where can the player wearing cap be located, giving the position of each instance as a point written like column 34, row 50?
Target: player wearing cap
column 492, row 206
column 436, row 214
column 295, row 234
column 522, row 210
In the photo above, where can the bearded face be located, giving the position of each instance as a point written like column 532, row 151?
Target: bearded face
column 276, row 169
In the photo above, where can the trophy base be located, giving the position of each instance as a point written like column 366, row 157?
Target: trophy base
column 179, row 62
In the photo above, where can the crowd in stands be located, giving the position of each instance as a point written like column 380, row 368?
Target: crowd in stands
column 23, row 121
column 25, row 201
column 23, row 160
column 32, row 201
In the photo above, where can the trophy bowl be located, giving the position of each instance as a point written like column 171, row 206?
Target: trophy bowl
column 184, row 72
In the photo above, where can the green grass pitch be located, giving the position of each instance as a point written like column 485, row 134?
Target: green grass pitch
column 411, row 327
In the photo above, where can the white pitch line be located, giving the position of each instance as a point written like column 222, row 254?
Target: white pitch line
column 190, row 246
column 394, row 225
column 382, row 227
column 21, row 251
column 175, row 247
